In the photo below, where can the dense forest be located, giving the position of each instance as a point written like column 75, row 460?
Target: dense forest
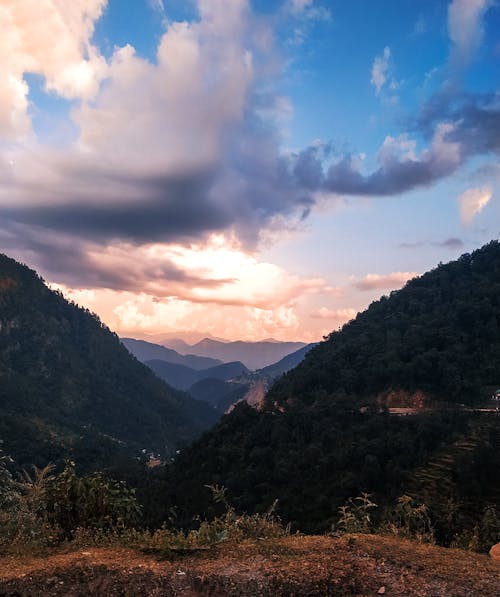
column 440, row 334
column 325, row 436
column 69, row 388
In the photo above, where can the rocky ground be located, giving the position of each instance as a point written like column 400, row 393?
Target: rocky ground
column 296, row 566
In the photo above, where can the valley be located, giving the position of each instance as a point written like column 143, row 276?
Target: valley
column 389, row 427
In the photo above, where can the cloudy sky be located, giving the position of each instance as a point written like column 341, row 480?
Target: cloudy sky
column 245, row 168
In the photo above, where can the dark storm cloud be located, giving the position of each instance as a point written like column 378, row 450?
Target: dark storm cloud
column 168, row 209
column 476, row 119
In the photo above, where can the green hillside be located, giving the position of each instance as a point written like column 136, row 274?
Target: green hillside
column 325, row 434
column 68, row 387
column 439, row 335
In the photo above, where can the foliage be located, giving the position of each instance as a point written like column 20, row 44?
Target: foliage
column 9, row 491
column 440, row 334
column 313, row 447
column 409, row 519
column 485, row 533
column 69, row 388
column 356, row 515
column 91, row 502
column 52, row 508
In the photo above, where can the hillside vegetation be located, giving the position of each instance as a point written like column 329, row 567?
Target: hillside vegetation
column 69, row 388
column 440, row 334
column 325, row 436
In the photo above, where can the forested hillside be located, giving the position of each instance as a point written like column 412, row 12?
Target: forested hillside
column 440, row 334
column 68, row 387
column 325, row 434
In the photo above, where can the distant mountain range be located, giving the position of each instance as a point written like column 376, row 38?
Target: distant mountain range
column 147, row 351
column 254, row 355
column 222, row 385
column 70, row 389
column 182, row 377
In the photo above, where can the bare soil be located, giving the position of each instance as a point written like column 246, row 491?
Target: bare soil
column 297, row 566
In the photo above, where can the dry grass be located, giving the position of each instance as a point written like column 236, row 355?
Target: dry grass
column 293, row 566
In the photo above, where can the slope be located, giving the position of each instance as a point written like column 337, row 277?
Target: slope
column 69, row 388
column 324, row 434
column 440, row 335
column 286, row 363
column 182, row 377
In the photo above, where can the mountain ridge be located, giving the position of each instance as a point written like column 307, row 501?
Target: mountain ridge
column 323, row 436
column 254, row 355
column 69, row 388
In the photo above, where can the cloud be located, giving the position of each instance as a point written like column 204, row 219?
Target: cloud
column 72, row 67
column 414, row 245
column 400, row 168
column 168, row 151
column 451, row 243
column 465, row 28
column 216, row 272
column 251, row 298
column 471, row 202
column 421, row 25
column 380, row 70
column 338, row 315
column 176, row 150
column 381, row 281
column 299, row 6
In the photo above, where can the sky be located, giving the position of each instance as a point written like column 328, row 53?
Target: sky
column 245, row 168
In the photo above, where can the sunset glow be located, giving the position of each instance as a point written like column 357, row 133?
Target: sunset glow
column 218, row 166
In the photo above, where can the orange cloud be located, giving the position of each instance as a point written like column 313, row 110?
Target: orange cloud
column 384, row 281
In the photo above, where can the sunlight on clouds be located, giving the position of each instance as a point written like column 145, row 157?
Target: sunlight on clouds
column 215, row 287
column 391, row 281
column 471, row 202
column 130, row 313
column 337, row 315
column 53, row 40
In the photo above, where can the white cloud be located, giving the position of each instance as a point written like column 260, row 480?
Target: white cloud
column 50, row 38
column 471, row 202
column 299, row 6
column 400, row 148
column 465, row 28
column 380, row 70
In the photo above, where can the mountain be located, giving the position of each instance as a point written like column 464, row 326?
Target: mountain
column 329, row 429
column 69, row 388
column 176, row 344
column 221, row 394
column 286, row 363
column 146, row 351
column 254, row 355
column 438, row 337
column 182, row 377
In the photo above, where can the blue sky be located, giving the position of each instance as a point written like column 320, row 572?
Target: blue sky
column 246, row 169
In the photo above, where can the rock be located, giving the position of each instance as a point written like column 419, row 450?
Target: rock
column 381, row 591
column 495, row 552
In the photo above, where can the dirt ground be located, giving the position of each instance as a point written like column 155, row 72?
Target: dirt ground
column 296, row 566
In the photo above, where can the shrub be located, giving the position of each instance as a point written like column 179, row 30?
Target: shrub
column 355, row 515
column 92, row 502
column 409, row 519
